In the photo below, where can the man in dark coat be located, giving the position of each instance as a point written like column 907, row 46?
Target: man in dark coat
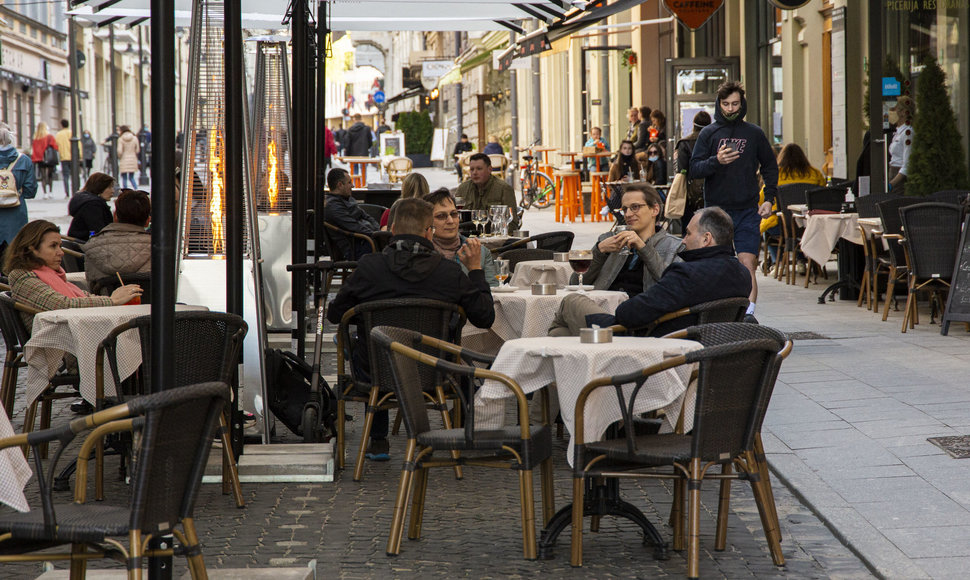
column 409, row 267
column 709, row 271
column 341, row 209
column 358, row 139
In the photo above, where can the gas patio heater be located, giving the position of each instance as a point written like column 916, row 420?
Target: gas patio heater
column 201, row 242
column 270, row 146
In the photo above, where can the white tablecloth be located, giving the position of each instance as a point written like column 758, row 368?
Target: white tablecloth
column 822, row 233
column 541, row 271
column 79, row 331
column 521, row 314
column 535, row 362
column 14, row 471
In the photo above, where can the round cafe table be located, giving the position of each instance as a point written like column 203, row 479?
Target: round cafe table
column 14, row 471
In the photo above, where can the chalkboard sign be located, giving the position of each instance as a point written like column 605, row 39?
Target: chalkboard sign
column 958, row 303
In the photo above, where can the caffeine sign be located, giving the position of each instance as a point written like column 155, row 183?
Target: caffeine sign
column 693, row 13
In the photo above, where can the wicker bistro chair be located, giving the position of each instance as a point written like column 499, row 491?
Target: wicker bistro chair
column 63, row 385
column 105, row 286
column 724, row 333
column 207, row 349
column 73, row 260
column 931, row 238
column 734, row 383
column 521, row 447
column 398, row 168
column 825, row 198
column 430, row 317
column 524, row 255
column 559, row 241
column 791, row 194
column 176, row 430
column 723, row 310
column 893, row 261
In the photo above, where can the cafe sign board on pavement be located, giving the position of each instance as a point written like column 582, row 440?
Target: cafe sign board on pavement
column 693, row 13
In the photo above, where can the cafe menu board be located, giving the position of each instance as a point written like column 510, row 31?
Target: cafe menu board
column 958, row 302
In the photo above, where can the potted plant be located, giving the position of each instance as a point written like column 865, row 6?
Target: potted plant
column 936, row 161
column 418, row 132
column 628, row 59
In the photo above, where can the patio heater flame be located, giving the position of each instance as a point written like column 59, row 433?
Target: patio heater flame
column 216, row 209
column 274, row 186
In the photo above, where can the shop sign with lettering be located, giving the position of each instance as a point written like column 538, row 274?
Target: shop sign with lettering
column 693, row 13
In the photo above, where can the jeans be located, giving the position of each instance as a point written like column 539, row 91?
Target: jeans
column 66, row 176
column 128, row 177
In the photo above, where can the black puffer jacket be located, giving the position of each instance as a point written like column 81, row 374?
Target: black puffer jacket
column 358, row 140
column 706, row 274
column 409, row 267
column 90, row 213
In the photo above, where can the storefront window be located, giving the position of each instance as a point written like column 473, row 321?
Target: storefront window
column 914, row 34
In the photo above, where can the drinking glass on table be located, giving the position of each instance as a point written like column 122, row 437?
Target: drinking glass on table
column 459, row 202
column 506, row 219
column 502, row 271
column 479, row 218
column 580, row 260
column 495, row 216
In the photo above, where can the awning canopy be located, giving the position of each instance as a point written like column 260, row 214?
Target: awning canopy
column 352, row 15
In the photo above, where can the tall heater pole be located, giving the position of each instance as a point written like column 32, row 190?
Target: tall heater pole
column 75, row 128
column 301, row 166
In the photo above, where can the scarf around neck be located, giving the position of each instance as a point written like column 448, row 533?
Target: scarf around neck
column 447, row 248
column 57, row 280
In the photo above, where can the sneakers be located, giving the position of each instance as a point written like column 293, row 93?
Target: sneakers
column 378, row 450
column 749, row 318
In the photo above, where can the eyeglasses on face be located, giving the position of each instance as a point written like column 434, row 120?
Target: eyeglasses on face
column 444, row 216
column 634, row 207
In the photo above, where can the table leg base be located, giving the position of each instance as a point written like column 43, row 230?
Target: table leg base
column 601, row 500
column 831, row 290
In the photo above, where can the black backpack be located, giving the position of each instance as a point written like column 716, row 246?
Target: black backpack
column 695, row 187
column 288, row 388
column 51, row 158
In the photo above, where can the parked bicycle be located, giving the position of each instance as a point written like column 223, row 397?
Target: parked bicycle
column 538, row 189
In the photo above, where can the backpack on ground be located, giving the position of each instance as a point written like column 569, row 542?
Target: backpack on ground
column 51, row 157
column 9, row 193
column 288, row 389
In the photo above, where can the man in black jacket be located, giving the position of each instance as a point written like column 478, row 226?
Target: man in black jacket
column 359, row 138
column 409, row 267
column 341, row 209
column 728, row 155
column 709, row 271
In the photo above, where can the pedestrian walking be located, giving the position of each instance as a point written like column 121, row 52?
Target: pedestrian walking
column 128, row 157
column 89, row 148
column 41, row 158
column 12, row 218
column 63, row 138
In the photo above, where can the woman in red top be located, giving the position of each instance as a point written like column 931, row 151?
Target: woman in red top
column 45, row 173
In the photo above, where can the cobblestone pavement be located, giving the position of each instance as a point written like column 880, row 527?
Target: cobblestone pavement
column 471, row 529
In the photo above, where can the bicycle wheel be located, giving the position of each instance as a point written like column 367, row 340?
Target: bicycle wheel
column 545, row 190
column 525, row 188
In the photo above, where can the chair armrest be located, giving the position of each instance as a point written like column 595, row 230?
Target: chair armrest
column 650, row 327
column 458, row 351
column 26, row 308
column 71, row 252
column 84, row 455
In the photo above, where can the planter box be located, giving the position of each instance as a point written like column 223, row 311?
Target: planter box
column 420, row 159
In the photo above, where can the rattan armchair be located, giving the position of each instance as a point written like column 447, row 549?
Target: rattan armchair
column 398, row 168
column 63, row 385
column 734, row 385
column 105, row 286
column 931, row 238
column 354, row 383
column 521, row 447
column 73, row 260
column 207, row 349
column 723, row 310
column 825, row 198
column 893, row 261
column 524, row 255
column 559, row 241
column 176, row 429
column 788, row 195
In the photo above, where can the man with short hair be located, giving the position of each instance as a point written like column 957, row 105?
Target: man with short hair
column 728, row 156
column 63, row 139
column 409, row 267
column 341, row 209
column 359, row 138
column 483, row 189
column 124, row 246
column 709, row 271
column 634, row 117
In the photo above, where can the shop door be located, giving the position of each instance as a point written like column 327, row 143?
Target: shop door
column 694, row 89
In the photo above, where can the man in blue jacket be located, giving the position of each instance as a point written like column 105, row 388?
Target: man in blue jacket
column 728, row 155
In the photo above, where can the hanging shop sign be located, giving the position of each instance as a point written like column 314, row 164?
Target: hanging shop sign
column 789, row 4
column 693, row 13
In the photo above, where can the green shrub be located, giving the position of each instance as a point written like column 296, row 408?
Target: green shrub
column 418, row 131
column 936, row 161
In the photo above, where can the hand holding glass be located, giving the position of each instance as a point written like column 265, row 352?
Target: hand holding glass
column 624, row 251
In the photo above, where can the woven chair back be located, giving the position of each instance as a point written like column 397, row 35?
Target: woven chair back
column 207, row 347
column 866, row 205
column 932, row 232
column 791, row 194
column 559, row 241
column 524, row 255
column 373, row 210
column 172, row 453
column 825, row 198
column 954, row 196
column 433, row 318
column 892, row 224
column 406, row 376
column 72, row 263
column 105, row 286
column 12, row 326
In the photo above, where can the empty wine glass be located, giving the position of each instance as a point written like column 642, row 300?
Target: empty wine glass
column 580, row 261
column 495, row 215
column 501, row 271
column 479, row 217
column 506, row 219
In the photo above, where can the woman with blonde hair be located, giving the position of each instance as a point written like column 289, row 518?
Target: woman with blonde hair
column 414, row 185
column 38, row 146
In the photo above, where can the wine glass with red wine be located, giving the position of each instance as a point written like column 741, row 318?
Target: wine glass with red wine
column 580, row 261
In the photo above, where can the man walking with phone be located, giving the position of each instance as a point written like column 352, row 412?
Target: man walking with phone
column 728, row 155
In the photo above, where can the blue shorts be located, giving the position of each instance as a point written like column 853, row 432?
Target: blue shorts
column 747, row 230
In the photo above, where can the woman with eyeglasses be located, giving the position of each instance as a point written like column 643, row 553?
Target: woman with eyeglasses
column 446, row 238
column 633, row 260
